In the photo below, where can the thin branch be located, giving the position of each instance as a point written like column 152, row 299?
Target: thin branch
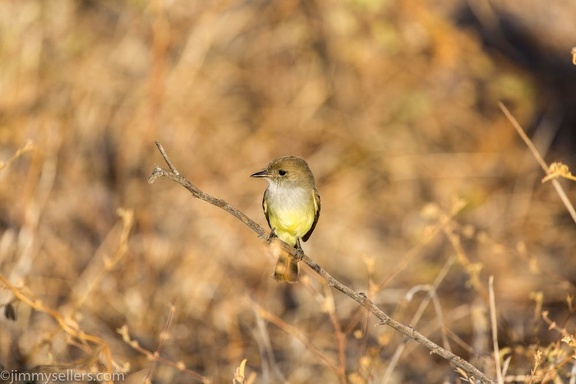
column 174, row 175
column 494, row 330
column 540, row 160
column 26, row 148
column 473, row 374
column 363, row 300
column 262, row 337
column 292, row 330
column 163, row 337
column 340, row 336
column 416, row 318
column 155, row 356
column 165, row 156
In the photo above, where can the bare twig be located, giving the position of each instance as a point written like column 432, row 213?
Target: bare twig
column 416, row 318
column 363, row 300
column 155, row 356
column 26, row 148
column 340, row 336
column 494, row 330
column 262, row 337
column 163, row 337
column 174, row 175
column 473, row 374
column 540, row 160
column 91, row 278
column 165, row 156
column 291, row 330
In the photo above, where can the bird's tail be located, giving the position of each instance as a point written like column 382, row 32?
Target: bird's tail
column 286, row 268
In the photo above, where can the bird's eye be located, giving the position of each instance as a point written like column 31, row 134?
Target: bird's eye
column 282, row 172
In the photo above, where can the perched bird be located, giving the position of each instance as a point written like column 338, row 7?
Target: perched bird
column 292, row 206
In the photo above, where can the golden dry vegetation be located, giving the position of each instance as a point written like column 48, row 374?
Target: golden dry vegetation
column 426, row 188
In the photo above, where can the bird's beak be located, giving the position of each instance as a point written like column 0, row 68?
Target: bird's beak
column 262, row 173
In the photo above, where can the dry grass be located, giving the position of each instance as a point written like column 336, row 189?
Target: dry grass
column 427, row 191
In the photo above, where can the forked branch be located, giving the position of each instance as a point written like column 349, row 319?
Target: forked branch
column 467, row 369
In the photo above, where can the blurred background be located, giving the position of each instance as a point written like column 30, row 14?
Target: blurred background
column 426, row 187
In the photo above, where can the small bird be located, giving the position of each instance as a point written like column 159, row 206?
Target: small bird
column 292, row 206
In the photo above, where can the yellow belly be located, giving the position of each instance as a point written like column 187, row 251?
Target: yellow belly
column 291, row 224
